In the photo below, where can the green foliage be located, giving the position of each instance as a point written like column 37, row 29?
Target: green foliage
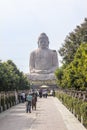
column 83, row 110
column 78, row 107
column 11, row 78
column 3, row 102
column 75, row 74
column 72, row 42
column 79, row 66
column 7, row 100
column 59, row 75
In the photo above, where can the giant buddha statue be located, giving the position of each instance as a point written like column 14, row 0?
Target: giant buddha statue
column 43, row 61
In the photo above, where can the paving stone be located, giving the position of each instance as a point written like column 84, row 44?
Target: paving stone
column 50, row 114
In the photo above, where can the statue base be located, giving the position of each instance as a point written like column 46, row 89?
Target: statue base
column 42, row 79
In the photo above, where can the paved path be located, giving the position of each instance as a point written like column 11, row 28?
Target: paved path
column 50, row 115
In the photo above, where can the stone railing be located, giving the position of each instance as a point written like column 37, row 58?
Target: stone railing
column 77, row 94
column 9, row 99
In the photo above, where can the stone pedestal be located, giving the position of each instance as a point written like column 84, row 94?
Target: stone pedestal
column 42, row 79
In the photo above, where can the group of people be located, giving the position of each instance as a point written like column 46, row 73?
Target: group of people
column 31, row 100
column 46, row 92
column 43, row 93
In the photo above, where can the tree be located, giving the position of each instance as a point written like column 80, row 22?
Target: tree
column 59, row 75
column 81, row 66
column 72, row 42
column 75, row 74
column 11, row 78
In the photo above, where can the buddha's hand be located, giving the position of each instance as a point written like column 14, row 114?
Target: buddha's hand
column 41, row 71
column 36, row 71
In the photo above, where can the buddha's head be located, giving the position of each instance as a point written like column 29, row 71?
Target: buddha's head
column 43, row 41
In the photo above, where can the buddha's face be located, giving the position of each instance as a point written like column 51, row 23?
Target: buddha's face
column 43, row 43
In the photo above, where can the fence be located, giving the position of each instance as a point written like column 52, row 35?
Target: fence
column 9, row 99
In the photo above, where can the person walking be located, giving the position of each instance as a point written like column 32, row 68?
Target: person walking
column 34, row 100
column 28, row 103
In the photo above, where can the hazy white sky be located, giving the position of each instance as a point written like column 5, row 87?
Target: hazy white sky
column 22, row 21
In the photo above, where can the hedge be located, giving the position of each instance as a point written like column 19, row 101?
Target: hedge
column 76, row 106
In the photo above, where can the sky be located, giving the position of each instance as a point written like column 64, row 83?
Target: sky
column 22, row 21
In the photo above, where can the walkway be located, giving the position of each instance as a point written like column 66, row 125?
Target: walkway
column 50, row 115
